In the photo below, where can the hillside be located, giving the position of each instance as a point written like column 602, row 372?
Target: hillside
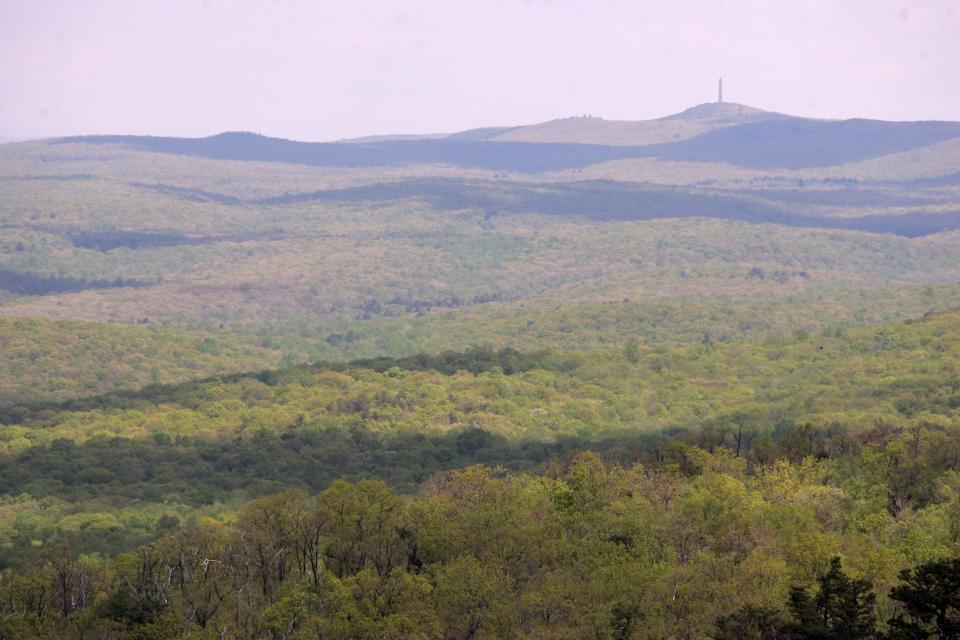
column 46, row 360
column 896, row 372
column 346, row 261
column 61, row 360
column 798, row 143
column 729, row 133
column 782, row 453
column 591, row 130
column 462, row 260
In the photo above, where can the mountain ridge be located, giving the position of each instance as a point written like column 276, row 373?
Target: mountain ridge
column 758, row 140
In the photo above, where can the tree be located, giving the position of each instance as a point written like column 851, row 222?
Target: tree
column 474, row 600
column 368, row 606
column 843, row 609
column 266, row 532
column 201, row 571
column 931, row 598
column 750, row 623
column 364, row 521
column 71, row 581
column 143, row 590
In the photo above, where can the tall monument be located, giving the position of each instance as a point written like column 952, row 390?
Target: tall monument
column 720, row 93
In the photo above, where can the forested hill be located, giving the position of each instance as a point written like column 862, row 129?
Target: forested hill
column 239, row 436
column 728, row 483
column 793, row 143
column 781, row 143
column 604, row 200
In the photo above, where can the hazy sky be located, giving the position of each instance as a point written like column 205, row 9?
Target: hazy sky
column 328, row 69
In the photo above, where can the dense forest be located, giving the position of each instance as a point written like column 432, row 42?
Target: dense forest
column 802, row 487
column 694, row 545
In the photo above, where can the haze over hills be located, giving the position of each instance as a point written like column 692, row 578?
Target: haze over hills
column 719, row 132
column 356, row 239
column 695, row 299
column 683, row 378
column 245, row 231
column 590, row 130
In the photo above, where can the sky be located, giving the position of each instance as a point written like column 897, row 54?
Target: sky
column 331, row 69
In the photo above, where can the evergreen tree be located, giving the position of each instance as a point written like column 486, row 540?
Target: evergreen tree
column 843, row 609
column 931, row 599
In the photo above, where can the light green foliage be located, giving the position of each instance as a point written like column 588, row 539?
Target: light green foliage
column 595, row 552
column 879, row 404
column 899, row 372
column 47, row 360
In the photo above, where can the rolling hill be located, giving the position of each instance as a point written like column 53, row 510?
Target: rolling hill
column 727, row 133
column 591, row 130
column 310, row 242
column 641, row 357
column 364, row 248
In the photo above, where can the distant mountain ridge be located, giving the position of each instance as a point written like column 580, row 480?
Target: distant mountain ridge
column 594, row 130
column 728, row 133
column 678, row 126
